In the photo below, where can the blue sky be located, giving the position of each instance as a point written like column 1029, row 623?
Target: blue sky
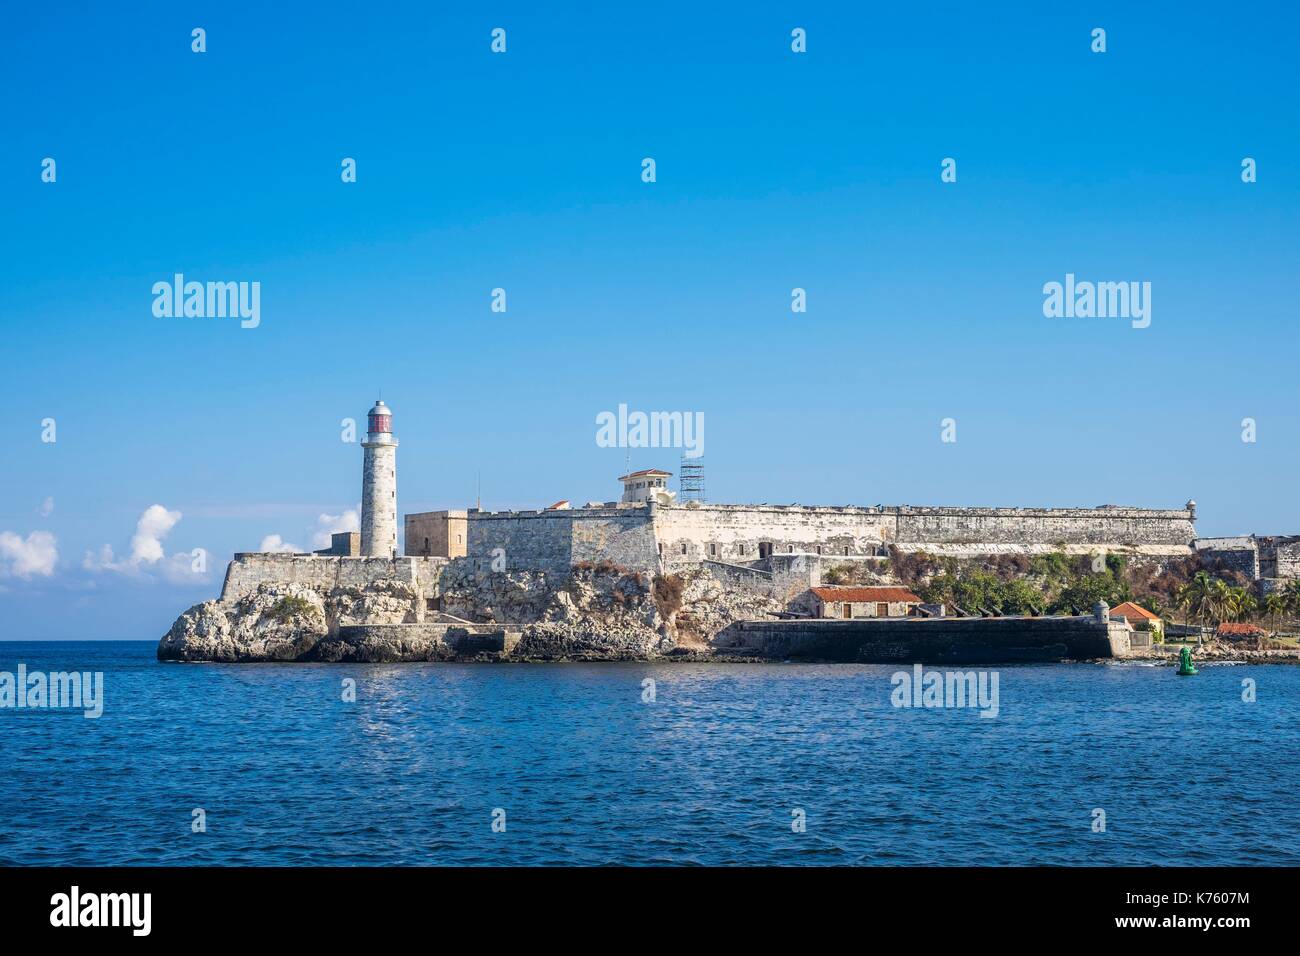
column 775, row 170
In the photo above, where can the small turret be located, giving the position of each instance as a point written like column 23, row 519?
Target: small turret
column 1101, row 611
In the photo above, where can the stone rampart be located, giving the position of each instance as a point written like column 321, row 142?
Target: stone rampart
column 665, row 537
column 744, row 533
column 929, row 640
column 325, row 572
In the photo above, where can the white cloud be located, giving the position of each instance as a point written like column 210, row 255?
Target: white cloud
column 47, row 507
column 327, row 525
column 273, row 542
column 103, row 561
column 24, row 557
column 148, row 553
column 153, row 526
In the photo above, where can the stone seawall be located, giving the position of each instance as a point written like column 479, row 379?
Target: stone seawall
column 929, row 641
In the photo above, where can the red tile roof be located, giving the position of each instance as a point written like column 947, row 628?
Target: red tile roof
column 1248, row 630
column 643, row 472
column 863, row 595
column 1133, row 612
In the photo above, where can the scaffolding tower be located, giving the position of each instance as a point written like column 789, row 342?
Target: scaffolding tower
column 690, row 477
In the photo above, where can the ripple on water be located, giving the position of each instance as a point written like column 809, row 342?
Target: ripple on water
column 587, row 774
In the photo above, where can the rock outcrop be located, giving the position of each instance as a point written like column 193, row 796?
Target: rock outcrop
column 593, row 613
column 273, row 623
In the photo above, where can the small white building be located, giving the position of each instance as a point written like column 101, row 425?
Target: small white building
column 649, row 484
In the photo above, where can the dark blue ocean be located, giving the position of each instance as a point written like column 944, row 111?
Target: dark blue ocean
column 287, row 772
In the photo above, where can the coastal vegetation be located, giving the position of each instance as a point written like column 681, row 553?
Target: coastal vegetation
column 289, row 607
column 1058, row 583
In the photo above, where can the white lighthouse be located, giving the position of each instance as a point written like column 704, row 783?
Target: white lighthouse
column 379, row 485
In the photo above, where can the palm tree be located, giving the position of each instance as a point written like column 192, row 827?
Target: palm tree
column 1239, row 604
column 1218, row 596
column 1292, row 597
column 1183, row 599
column 1196, row 597
column 1249, row 604
column 1275, row 607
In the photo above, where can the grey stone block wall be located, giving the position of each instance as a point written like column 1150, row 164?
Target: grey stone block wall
column 556, row 540
column 249, row 569
column 1279, row 557
column 1240, row 554
column 1288, row 560
column 1259, row 558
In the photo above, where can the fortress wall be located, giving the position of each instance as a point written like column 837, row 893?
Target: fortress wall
column 624, row 536
column 733, row 533
column 1241, row 542
column 990, row 530
column 1288, row 560
column 248, row 570
column 1256, row 558
column 556, row 540
column 540, row 540
column 325, row 572
column 1240, row 554
column 650, row 537
column 1279, row 556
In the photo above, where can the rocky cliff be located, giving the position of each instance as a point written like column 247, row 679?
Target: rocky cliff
column 592, row 613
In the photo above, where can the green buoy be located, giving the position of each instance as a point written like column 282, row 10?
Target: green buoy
column 1185, row 666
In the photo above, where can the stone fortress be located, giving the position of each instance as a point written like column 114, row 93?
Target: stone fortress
column 646, row 575
column 1271, row 561
column 648, row 530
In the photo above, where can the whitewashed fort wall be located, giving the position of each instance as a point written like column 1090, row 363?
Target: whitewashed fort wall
column 657, row 535
column 736, row 533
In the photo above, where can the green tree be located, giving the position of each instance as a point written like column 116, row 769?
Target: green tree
column 1196, row 597
column 1291, row 594
column 1018, row 596
column 1081, row 596
column 1240, row 605
column 1274, row 607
